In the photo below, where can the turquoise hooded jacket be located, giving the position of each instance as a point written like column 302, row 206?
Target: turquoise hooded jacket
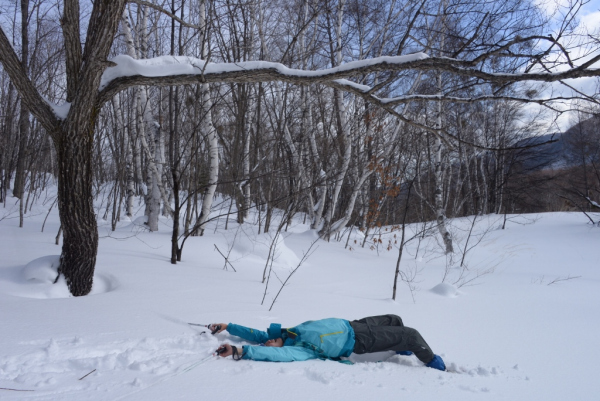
column 316, row 339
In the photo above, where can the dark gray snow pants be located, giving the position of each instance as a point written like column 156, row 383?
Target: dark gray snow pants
column 388, row 333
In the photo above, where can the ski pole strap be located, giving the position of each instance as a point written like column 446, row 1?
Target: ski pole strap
column 235, row 354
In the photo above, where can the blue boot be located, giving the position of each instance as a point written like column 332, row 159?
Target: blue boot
column 437, row 363
column 407, row 353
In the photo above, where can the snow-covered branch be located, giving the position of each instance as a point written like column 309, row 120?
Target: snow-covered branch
column 169, row 70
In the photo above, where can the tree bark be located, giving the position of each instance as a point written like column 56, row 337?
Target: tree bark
column 76, row 209
column 19, row 186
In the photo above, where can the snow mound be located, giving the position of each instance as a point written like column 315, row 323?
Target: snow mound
column 39, row 276
column 445, row 290
column 260, row 246
column 136, row 224
column 42, row 270
column 308, row 235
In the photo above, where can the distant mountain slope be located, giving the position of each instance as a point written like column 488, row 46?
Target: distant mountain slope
column 563, row 149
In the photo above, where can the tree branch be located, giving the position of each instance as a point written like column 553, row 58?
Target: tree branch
column 104, row 23
column 167, row 13
column 454, row 99
column 70, row 28
column 29, row 94
column 250, row 72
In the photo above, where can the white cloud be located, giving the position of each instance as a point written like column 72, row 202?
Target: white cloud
column 591, row 20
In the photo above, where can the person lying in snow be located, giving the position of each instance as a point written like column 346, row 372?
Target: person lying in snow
column 329, row 339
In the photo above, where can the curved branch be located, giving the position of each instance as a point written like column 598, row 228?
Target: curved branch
column 197, row 71
column 29, row 94
column 454, row 99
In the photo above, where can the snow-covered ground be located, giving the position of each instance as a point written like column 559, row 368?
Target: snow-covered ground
column 525, row 328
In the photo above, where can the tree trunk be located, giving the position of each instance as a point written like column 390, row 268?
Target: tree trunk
column 440, row 209
column 158, row 191
column 345, row 219
column 19, row 187
column 76, row 209
column 210, row 132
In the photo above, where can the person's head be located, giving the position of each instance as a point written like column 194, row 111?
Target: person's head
column 276, row 342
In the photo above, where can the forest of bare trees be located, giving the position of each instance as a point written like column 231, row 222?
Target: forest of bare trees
column 347, row 112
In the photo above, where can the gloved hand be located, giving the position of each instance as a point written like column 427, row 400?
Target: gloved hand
column 225, row 350
column 437, row 363
column 217, row 327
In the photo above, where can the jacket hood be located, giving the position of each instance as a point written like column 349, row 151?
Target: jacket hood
column 275, row 331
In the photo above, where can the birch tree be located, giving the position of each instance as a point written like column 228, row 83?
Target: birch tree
column 208, row 129
column 147, row 127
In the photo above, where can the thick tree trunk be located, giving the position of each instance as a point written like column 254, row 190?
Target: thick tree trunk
column 75, row 205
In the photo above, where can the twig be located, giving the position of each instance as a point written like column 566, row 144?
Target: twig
column 81, row 378
column 13, row 389
column 558, row 279
column 49, row 210
column 304, row 257
column 579, row 207
column 226, row 259
column 58, row 235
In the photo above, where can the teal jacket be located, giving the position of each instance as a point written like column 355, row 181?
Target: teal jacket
column 323, row 339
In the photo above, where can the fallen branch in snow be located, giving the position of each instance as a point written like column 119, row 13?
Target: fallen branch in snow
column 13, row 389
column 81, row 378
column 541, row 280
column 559, row 279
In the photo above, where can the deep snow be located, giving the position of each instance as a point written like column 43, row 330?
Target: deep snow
column 510, row 334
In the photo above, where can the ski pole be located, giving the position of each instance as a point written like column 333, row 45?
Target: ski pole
column 219, row 351
column 213, row 329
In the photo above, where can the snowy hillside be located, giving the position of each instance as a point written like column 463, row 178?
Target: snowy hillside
column 520, row 322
